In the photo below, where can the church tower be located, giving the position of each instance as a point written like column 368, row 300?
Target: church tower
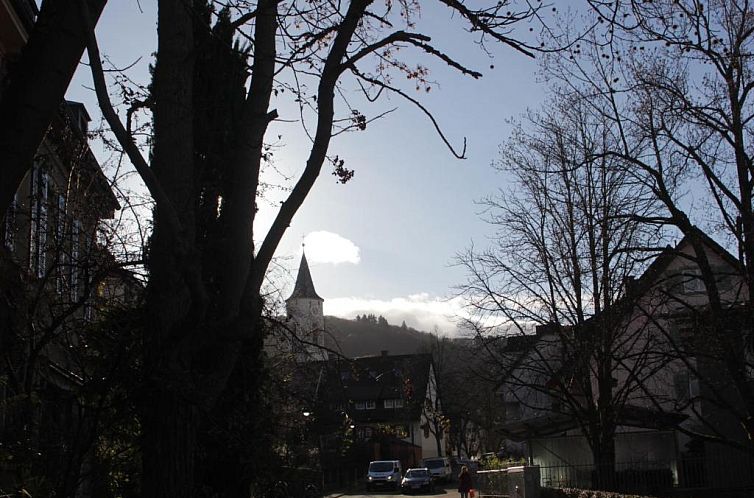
column 304, row 309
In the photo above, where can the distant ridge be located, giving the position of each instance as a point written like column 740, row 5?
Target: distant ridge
column 372, row 335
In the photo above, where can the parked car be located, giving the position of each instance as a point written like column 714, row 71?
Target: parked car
column 384, row 473
column 439, row 467
column 472, row 465
column 417, row 480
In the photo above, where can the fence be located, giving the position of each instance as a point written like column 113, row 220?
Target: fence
column 519, row 482
column 492, row 483
column 687, row 476
column 635, row 478
column 342, row 477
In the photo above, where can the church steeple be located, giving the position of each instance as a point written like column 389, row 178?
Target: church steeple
column 306, row 316
column 304, row 287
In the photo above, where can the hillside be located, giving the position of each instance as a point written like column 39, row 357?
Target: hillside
column 368, row 337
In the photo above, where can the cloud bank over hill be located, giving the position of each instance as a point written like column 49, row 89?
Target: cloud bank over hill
column 420, row 311
column 329, row 247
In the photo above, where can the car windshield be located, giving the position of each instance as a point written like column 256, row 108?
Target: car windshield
column 380, row 467
column 433, row 464
column 417, row 473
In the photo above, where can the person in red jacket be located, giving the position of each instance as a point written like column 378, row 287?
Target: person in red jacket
column 464, row 482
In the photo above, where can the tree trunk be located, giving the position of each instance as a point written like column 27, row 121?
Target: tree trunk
column 170, row 411
column 603, row 453
column 169, row 448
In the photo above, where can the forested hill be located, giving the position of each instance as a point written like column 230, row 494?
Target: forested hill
column 369, row 335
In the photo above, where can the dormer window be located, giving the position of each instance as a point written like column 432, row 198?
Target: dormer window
column 691, row 281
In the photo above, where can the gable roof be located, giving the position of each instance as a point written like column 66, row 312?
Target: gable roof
column 668, row 254
column 379, row 378
column 304, row 287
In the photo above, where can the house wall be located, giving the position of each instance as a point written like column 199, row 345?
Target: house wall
column 567, row 461
column 652, row 333
column 536, row 368
column 429, row 443
column 631, row 448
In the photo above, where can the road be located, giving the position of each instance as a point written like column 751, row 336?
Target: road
column 449, row 491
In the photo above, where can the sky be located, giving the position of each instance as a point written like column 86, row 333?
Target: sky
column 385, row 242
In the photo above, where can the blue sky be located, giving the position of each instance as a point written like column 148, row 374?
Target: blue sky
column 390, row 233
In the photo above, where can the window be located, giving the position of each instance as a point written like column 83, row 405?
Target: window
column 682, row 387
column 393, row 403
column 34, row 202
column 365, row 405
column 9, row 235
column 682, row 334
column 60, row 220
column 725, row 277
column 60, row 245
column 364, row 432
column 691, row 281
column 73, row 274
column 512, row 410
column 40, row 187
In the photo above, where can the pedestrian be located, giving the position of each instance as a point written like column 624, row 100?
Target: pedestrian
column 464, row 482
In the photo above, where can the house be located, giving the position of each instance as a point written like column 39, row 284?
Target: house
column 387, row 405
column 668, row 391
column 352, row 410
column 52, row 266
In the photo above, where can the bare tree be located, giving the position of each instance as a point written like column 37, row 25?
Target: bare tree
column 205, row 267
column 676, row 80
column 61, row 283
column 566, row 243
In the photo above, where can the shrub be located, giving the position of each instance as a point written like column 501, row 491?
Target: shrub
column 495, row 463
column 582, row 493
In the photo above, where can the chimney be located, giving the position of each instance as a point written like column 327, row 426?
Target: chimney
column 383, row 352
column 547, row 328
column 629, row 285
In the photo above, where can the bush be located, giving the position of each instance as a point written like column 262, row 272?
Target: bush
column 582, row 493
column 495, row 463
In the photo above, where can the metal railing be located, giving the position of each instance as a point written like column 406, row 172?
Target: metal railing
column 648, row 477
column 492, row 483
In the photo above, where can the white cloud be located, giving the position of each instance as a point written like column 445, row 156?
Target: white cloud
column 420, row 311
column 328, row 247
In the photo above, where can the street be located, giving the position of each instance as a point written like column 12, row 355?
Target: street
column 441, row 491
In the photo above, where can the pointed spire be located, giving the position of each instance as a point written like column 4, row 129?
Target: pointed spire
column 304, row 285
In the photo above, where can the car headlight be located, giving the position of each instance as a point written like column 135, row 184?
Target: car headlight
column 390, row 478
column 370, row 478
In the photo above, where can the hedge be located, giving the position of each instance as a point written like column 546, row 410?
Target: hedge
column 582, row 493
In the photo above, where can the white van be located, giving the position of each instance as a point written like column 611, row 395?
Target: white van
column 439, row 467
column 384, row 473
